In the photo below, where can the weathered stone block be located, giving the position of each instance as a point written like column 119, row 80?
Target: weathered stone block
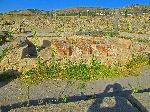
column 45, row 43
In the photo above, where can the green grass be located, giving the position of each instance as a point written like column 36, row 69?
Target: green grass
column 80, row 70
column 33, row 30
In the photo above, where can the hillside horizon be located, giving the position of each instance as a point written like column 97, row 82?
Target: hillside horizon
column 77, row 8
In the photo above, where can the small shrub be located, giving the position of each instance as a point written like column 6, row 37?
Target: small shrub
column 63, row 99
column 102, row 71
column 33, row 30
column 136, row 61
column 136, row 89
column 53, row 69
column 3, row 54
column 99, row 42
column 5, row 36
column 78, row 71
column 30, row 73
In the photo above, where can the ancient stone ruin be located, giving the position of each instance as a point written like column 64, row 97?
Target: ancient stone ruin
column 109, row 51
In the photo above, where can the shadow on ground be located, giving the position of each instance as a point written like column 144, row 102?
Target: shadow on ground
column 116, row 91
column 29, row 50
column 7, row 76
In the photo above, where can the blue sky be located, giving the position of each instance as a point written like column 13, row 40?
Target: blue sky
column 7, row 5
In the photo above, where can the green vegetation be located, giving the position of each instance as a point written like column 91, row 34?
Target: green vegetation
column 135, row 64
column 53, row 69
column 110, row 33
column 63, row 99
column 3, row 54
column 82, row 71
column 33, row 30
column 82, row 85
column 78, row 71
column 97, row 70
column 97, row 33
column 146, row 41
column 5, row 36
column 136, row 89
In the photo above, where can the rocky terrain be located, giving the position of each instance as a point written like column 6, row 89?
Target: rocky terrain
column 74, row 24
column 23, row 21
column 75, row 44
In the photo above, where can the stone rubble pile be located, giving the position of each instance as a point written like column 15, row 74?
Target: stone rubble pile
column 14, row 57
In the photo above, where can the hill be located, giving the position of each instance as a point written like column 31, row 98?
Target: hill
column 94, row 11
